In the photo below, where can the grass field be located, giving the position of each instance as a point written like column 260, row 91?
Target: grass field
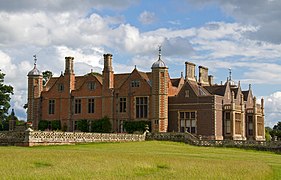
column 137, row 160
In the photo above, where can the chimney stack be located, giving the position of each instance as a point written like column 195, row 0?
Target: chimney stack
column 107, row 62
column 190, row 71
column 211, row 80
column 203, row 75
column 69, row 65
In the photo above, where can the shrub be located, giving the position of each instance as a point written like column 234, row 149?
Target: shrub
column 43, row 125
column 132, row 126
column 51, row 125
column 83, row 125
column 102, row 125
column 55, row 125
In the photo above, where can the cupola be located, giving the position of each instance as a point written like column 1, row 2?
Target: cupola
column 34, row 71
column 159, row 63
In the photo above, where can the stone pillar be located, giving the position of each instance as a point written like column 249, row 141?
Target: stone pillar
column 243, row 123
column 232, row 115
column 255, row 118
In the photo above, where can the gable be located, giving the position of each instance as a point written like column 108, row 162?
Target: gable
column 137, row 83
column 187, row 91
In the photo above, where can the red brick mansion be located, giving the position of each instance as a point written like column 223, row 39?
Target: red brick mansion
column 184, row 104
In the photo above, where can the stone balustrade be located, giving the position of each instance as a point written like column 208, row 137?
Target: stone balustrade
column 34, row 138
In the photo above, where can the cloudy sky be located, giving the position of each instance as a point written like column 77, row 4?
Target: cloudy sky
column 241, row 35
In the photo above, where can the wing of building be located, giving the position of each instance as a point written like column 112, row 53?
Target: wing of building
column 183, row 104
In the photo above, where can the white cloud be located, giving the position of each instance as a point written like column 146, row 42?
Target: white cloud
column 262, row 13
column 272, row 104
column 147, row 17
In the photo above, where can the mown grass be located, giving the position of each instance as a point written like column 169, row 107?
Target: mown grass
column 137, row 160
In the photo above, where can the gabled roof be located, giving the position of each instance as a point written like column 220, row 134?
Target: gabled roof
column 119, row 79
column 198, row 89
column 80, row 80
column 175, row 82
column 216, row 89
column 50, row 83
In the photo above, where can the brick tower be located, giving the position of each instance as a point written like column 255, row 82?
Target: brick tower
column 159, row 95
column 35, row 87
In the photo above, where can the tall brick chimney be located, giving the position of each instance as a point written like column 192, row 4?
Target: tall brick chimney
column 190, row 71
column 69, row 65
column 108, row 76
column 203, row 75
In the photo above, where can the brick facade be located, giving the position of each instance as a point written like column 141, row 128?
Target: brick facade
column 176, row 105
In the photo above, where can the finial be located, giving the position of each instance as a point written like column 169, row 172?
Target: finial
column 181, row 74
column 135, row 66
column 91, row 70
column 159, row 52
column 229, row 74
column 35, row 59
column 13, row 113
column 238, row 83
column 250, row 86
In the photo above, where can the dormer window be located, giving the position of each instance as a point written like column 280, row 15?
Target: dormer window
column 91, row 86
column 60, row 87
column 135, row 83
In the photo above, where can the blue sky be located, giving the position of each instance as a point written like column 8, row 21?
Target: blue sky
column 237, row 34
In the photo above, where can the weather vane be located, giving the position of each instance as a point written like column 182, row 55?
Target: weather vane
column 35, row 59
column 159, row 46
column 229, row 74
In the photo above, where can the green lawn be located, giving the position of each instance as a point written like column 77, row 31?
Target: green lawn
column 137, row 160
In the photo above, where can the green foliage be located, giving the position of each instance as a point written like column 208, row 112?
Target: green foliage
column 4, row 126
column 46, row 76
column 276, row 131
column 133, row 126
column 43, row 125
column 5, row 93
column 102, row 125
column 51, row 125
column 55, row 125
column 93, row 74
column 83, row 125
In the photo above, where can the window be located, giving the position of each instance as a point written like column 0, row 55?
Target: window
column 141, row 107
column 186, row 93
column 91, row 105
column 122, row 105
column 227, row 123
column 52, row 106
column 250, row 126
column 60, row 87
column 135, row 83
column 77, row 106
column 188, row 122
column 91, row 86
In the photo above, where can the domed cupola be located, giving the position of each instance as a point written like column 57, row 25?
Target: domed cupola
column 159, row 63
column 34, row 71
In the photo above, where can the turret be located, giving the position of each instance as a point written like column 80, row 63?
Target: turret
column 35, row 87
column 159, row 95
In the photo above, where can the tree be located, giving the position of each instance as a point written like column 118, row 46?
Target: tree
column 276, row 131
column 46, row 76
column 5, row 92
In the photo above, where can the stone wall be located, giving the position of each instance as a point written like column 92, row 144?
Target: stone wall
column 190, row 139
column 34, row 138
